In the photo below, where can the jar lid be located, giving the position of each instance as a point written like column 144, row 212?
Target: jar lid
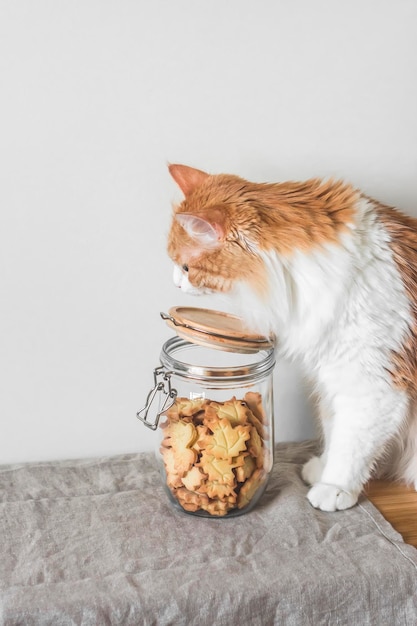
column 215, row 329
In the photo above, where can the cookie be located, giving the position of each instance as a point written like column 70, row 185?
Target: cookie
column 255, row 447
column 250, row 487
column 254, row 401
column 236, row 411
column 245, row 471
column 227, row 441
column 180, row 436
column 193, row 479
column 220, row 470
column 218, row 507
column 190, row 500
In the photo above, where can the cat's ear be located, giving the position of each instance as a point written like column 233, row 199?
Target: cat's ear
column 201, row 230
column 187, row 178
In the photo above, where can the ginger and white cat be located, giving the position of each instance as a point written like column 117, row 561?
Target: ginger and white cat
column 333, row 274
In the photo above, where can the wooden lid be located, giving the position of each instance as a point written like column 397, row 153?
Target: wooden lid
column 215, row 329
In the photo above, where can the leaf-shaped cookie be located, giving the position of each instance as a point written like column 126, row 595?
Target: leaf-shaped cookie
column 193, row 478
column 227, row 441
column 252, row 419
column 218, row 507
column 191, row 501
column 188, row 407
column 250, row 487
column 180, row 436
column 219, row 470
column 233, row 410
column 254, row 402
column 184, row 407
column 244, row 471
column 210, row 414
column 172, row 478
column 203, row 437
column 218, row 490
column 255, row 447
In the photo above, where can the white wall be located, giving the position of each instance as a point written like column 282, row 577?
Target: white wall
column 96, row 97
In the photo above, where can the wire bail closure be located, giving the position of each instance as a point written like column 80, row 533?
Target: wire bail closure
column 162, row 384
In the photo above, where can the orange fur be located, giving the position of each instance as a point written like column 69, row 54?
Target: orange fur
column 262, row 216
column 403, row 232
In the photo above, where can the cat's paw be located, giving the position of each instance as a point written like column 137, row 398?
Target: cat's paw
column 312, row 470
column 331, row 498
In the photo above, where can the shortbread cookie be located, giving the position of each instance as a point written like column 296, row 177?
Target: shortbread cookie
column 180, row 436
column 227, row 441
column 250, row 487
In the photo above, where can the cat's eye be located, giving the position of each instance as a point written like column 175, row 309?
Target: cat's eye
column 185, row 268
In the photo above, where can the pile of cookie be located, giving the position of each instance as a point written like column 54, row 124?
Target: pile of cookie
column 214, row 453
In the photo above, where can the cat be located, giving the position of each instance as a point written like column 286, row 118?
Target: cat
column 333, row 275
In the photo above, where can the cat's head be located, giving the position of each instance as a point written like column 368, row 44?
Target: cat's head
column 256, row 242
column 215, row 231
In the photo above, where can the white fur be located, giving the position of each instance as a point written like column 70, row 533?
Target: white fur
column 341, row 309
column 181, row 280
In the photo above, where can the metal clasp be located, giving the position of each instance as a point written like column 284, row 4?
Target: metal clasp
column 162, row 383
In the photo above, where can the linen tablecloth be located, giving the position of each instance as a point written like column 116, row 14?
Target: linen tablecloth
column 96, row 542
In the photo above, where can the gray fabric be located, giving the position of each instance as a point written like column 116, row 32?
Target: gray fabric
column 92, row 542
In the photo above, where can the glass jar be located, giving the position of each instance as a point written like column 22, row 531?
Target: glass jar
column 213, row 410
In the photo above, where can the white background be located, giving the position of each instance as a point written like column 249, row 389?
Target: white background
column 96, row 97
